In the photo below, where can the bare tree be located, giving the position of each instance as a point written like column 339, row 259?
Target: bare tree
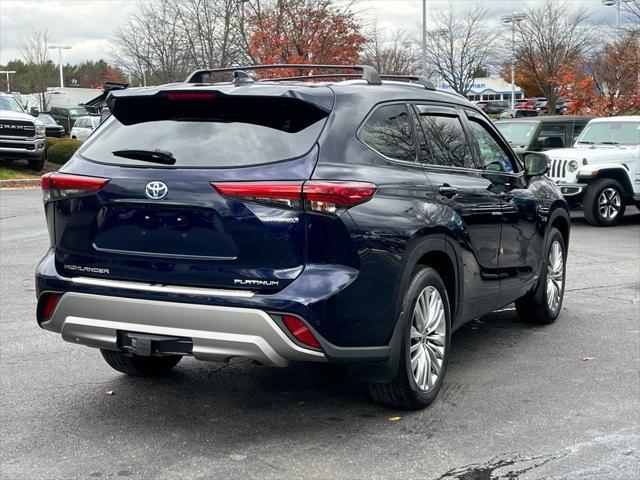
column 212, row 31
column 460, row 46
column 391, row 54
column 164, row 40
column 553, row 36
column 151, row 45
column 35, row 52
column 631, row 9
column 34, row 46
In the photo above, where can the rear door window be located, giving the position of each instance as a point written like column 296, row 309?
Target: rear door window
column 388, row 131
column 223, row 132
column 445, row 140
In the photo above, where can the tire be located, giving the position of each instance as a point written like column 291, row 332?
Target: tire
column 536, row 306
column 407, row 390
column 603, row 203
column 37, row 164
column 140, row 366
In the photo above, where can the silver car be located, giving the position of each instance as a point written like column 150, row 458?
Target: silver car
column 84, row 127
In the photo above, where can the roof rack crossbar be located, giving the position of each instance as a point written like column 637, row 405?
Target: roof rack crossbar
column 369, row 74
column 411, row 78
column 305, row 77
column 417, row 80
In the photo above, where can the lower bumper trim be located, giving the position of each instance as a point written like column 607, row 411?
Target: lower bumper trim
column 217, row 333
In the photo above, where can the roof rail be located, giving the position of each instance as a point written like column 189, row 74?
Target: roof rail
column 369, row 74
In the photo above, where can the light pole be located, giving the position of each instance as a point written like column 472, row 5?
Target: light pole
column 513, row 19
column 424, row 38
column 611, row 3
column 60, row 47
column 8, row 72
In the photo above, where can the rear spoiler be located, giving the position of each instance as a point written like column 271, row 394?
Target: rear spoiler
column 125, row 100
column 156, row 104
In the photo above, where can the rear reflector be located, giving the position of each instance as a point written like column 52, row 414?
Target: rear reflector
column 46, row 305
column 300, row 330
column 60, row 185
column 316, row 196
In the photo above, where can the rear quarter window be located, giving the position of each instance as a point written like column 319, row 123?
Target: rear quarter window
column 388, row 131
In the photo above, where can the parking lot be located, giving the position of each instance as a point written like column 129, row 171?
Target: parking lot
column 519, row 401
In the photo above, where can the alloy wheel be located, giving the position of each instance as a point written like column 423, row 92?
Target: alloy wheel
column 555, row 276
column 428, row 338
column 609, row 203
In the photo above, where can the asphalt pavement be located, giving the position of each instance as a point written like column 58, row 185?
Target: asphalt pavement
column 518, row 401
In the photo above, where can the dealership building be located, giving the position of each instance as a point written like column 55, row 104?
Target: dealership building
column 488, row 89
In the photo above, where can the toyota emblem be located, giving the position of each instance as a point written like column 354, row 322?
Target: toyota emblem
column 156, row 190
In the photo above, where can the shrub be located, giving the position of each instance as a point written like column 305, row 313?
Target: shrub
column 51, row 141
column 61, row 152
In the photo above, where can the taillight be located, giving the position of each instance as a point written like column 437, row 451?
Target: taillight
column 46, row 305
column 316, row 196
column 327, row 197
column 61, row 185
column 299, row 330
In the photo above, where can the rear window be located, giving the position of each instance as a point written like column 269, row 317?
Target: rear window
column 221, row 133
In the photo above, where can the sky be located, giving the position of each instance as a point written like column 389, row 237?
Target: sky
column 87, row 25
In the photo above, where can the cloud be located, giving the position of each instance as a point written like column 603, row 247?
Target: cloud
column 87, row 25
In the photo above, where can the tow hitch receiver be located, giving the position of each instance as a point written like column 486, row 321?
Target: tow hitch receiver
column 146, row 345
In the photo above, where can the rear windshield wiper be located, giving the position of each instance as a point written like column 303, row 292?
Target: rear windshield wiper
column 156, row 156
column 587, row 142
column 609, row 143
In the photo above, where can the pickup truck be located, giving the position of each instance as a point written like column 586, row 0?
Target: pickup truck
column 22, row 137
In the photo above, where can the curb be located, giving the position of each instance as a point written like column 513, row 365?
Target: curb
column 20, row 183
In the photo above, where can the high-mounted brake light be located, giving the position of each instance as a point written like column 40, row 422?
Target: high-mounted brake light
column 299, row 330
column 56, row 186
column 316, row 196
column 191, row 96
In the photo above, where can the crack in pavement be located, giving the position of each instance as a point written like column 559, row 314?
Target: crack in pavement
column 488, row 470
column 602, row 286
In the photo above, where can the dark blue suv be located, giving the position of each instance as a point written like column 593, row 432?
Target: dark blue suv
column 354, row 218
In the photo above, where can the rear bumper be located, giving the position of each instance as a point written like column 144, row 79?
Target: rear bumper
column 217, row 333
column 309, row 297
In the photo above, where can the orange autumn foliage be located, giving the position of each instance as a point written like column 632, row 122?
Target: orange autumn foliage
column 299, row 31
column 606, row 84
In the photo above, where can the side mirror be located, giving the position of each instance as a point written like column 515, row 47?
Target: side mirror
column 34, row 111
column 535, row 164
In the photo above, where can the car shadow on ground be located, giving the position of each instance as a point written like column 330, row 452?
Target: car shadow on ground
column 245, row 402
column 631, row 217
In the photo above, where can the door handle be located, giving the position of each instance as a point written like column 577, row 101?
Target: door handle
column 447, row 190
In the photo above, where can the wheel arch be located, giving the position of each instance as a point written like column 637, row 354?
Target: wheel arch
column 437, row 252
column 560, row 220
column 619, row 173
